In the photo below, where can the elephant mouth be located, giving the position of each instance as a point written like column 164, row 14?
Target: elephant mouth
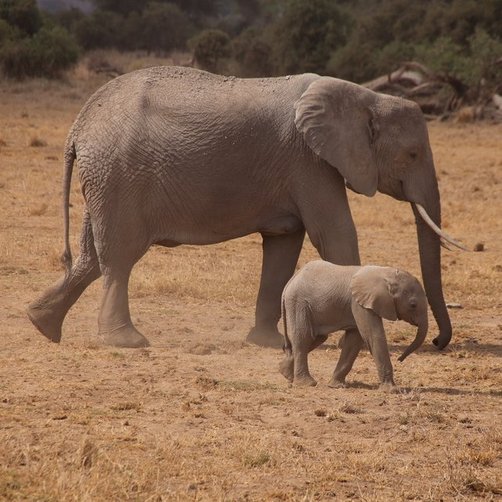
column 350, row 187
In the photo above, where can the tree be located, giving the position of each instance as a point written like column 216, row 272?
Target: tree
column 122, row 7
column 197, row 9
column 165, row 27
column 100, row 29
column 7, row 32
column 46, row 54
column 23, row 14
column 69, row 18
column 209, row 48
column 308, row 32
column 253, row 54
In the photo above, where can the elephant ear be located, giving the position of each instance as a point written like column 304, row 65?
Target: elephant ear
column 336, row 121
column 372, row 288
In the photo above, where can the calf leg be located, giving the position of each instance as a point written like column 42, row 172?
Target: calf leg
column 351, row 344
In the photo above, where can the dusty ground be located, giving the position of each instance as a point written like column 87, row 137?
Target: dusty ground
column 203, row 416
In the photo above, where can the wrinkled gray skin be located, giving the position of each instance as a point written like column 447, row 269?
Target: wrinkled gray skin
column 172, row 156
column 323, row 298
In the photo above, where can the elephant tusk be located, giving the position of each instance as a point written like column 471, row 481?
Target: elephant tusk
column 445, row 238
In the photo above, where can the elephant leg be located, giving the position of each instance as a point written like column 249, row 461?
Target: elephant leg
column 48, row 312
column 351, row 343
column 371, row 328
column 115, row 324
column 280, row 256
column 122, row 239
column 303, row 340
column 287, row 365
column 302, row 376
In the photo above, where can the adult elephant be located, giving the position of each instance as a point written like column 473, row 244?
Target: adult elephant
column 172, row 156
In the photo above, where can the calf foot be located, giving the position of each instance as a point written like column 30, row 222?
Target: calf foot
column 304, row 381
column 389, row 387
column 286, row 368
column 336, row 383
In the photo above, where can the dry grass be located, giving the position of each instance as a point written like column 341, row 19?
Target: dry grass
column 37, row 142
column 202, row 416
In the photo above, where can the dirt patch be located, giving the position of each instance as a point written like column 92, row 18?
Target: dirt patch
column 201, row 415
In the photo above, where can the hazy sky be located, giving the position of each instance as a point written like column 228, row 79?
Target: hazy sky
column 54, row 5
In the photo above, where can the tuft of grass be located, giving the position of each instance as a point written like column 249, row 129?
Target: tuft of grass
column 257, row 460
column 38, row 210
column 88, row 454
column 37, row 142
column 126, row 406
column 247, row 386
column 350, row 409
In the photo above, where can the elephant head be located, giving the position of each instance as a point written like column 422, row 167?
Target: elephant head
column 393, row 294
column 380, row 142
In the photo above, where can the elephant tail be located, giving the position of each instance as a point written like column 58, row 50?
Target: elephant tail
column 69, row 158
column 287, row 343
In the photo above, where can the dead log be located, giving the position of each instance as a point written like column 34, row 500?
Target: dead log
column 438, row 94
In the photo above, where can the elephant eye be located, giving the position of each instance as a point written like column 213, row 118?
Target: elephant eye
column 413, row 155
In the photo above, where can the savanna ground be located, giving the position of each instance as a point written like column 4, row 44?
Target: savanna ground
column 201, row 415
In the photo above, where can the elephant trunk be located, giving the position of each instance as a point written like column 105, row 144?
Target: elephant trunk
column 430, row 263
column 419, row 339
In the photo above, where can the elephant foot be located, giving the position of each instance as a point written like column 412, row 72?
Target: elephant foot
column 125, row 337
column 304, row 381
column 441, row 342
column 389, row 388
column 46, row 320
column 286, row 368
column 335, row 383
column 265, row 338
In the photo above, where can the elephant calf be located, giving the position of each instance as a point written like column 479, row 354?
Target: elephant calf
column 322, row 298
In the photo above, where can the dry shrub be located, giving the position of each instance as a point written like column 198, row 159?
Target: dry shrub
column 54, row 259
column 37, row 142
column 100, row 62
column 38, row 210
column 257, row 459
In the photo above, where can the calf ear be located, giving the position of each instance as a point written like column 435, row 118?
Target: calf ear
column 372, row 289
column 336, row 120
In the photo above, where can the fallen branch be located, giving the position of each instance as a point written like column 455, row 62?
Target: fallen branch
column 438, row 94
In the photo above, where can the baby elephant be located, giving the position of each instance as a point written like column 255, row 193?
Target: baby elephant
column 322, row 298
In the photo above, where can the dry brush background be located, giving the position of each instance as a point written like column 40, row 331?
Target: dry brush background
column 203, row 416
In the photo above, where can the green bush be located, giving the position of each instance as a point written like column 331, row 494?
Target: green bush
column 165, row 27
column 46, row 54
column 355, row 61
column 443, row 56
column 23, row 14
column 485, row 61
column 209, row 48
column 392, row 56
column 7, row 32
column 253, row 54
column 101, row 29
column 307, row 33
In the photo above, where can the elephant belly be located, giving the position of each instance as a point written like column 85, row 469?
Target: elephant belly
column 230, row 227
column 326, row 329
column 330, row 320
column 203, row 218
